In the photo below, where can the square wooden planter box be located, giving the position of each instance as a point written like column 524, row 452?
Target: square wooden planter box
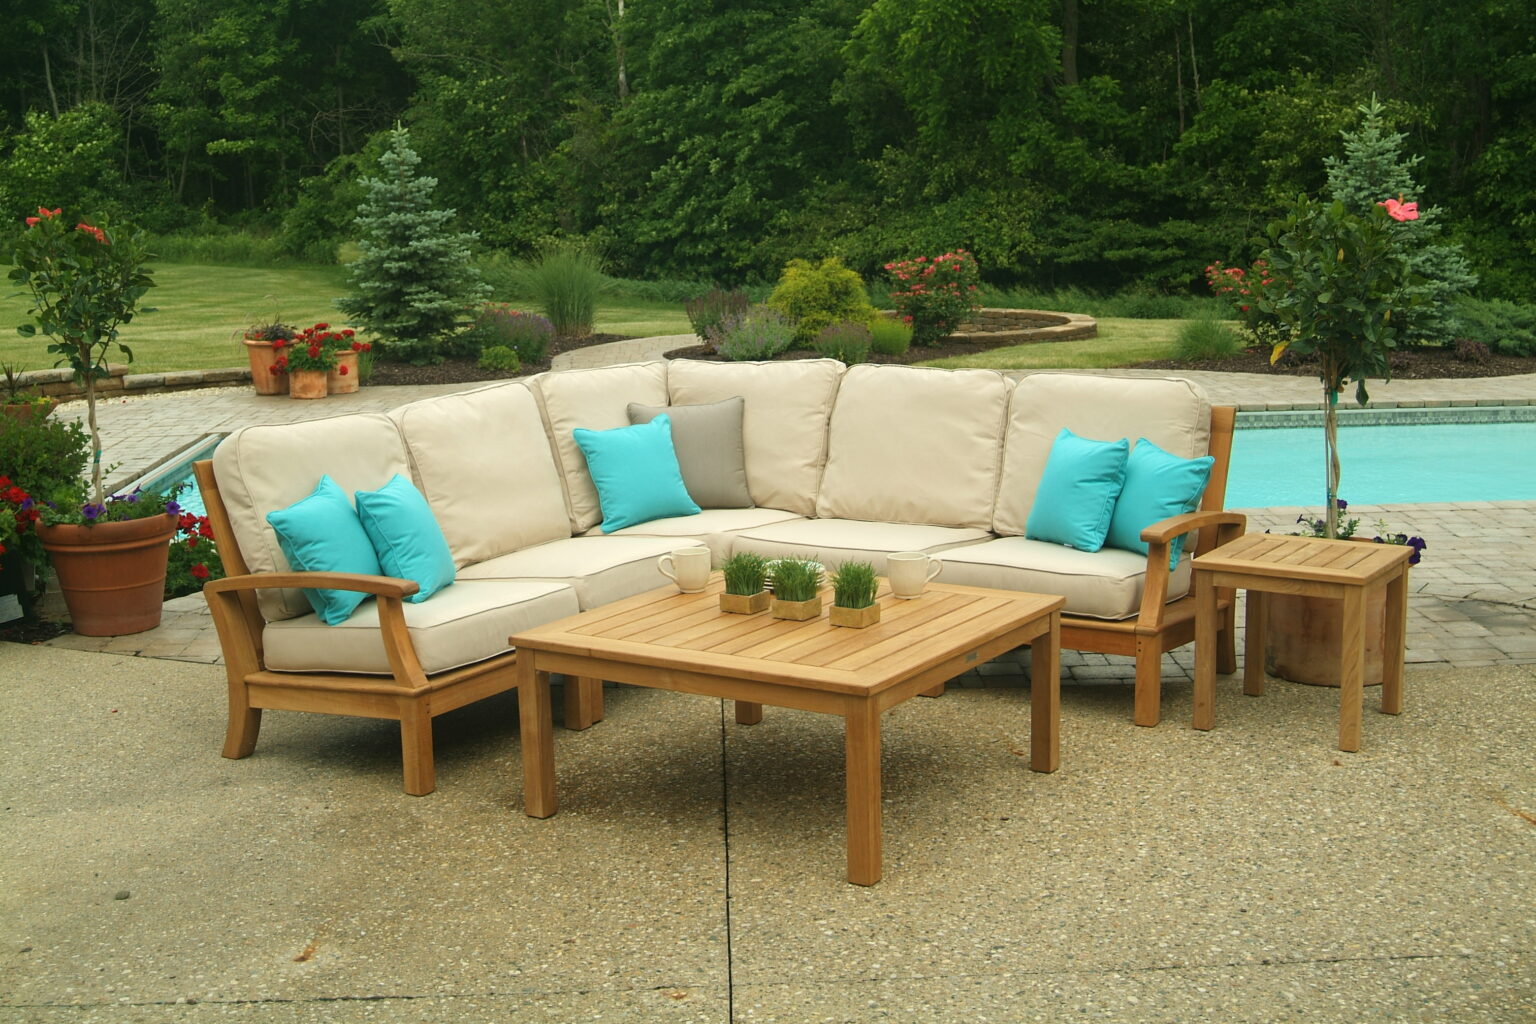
column 798, row 611
column 745, row 604
column 854, row 618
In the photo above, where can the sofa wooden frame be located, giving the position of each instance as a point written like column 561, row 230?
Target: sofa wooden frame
column 408, row 695
column 1162, row 625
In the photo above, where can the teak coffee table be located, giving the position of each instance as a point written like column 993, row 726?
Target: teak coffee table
column 683, row 642
column 1346, row 570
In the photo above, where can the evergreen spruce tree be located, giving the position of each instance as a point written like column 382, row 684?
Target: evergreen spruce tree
column 1374, row 169
column 413, row 283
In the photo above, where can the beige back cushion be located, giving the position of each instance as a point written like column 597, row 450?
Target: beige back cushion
column 596, row 400
column 1172, row 413
column 784, row 422
column 264, row 468
column 483, row 461
column 915, row 445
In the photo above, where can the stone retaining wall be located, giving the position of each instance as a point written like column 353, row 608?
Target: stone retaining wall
column 62, row 385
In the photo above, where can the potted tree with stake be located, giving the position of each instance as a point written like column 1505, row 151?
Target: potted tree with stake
column 85, row 281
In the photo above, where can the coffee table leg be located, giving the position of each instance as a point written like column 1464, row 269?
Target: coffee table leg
column 748, row 713
column 583, row 702
column 861, row 741
column 1351, row 668
column 1045, row 699
column 1392, row 645
column 536, row 729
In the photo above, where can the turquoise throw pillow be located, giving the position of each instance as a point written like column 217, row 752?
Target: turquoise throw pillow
column 406, row 537
column 321, row 533
column 636, row 473
column 1157, row 485
column 1077, row 492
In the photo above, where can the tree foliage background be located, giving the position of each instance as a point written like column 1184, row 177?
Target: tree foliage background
column 1096, row 143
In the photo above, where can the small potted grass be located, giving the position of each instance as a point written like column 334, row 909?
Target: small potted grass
column 746, row 578
column 853, row 596
column 796, row 585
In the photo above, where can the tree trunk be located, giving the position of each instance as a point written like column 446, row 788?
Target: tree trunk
column 53, row 97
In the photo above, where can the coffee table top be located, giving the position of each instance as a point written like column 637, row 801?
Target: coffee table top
column 665, row 628
column 1306, row 558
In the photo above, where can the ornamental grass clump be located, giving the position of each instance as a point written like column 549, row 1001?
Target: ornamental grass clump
column 761, row 334
column 709, row 313
column 889, row 336
column 796, row 579
column 847, row 341
column 1206, row 337
column 854, row 585
column 565, row 281
column 745, row 574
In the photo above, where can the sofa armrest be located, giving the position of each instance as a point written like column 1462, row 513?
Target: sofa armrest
column 242, row 646
column 1158, row 537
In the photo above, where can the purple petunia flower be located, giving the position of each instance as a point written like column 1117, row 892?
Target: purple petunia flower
column 92, row 512
column 172, row 509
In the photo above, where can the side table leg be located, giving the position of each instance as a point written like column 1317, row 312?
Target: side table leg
column 1253, row 643
column 1205, row 650
column 1351, row 667
column 1393, row 640
column 1045, row 699
column 536, row 729
column 861, row 741
column 748, row 713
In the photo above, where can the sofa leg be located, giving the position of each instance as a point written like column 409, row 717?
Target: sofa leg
column 933, row 691
column 244, row 724
column 583, row 702
column 1226, row 641
column 1149, row 682
column 416, row 750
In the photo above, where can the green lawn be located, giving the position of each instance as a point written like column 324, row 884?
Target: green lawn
column 201, row 312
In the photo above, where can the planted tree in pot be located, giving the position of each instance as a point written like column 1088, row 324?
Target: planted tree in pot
column 85, row 282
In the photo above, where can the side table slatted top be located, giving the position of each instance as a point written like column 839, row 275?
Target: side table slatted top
column 684, row 642
column 1286, row 557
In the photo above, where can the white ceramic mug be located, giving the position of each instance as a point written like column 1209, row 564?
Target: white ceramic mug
column 687, row 567
column 910, row 571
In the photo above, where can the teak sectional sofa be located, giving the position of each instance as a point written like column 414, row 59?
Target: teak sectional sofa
column 838, row 463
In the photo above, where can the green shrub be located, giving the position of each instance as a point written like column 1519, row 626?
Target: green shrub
column 708, row 313
column 935, row 295
column 45, row 457
column 219, row 246
column 846, row 341
column 889, row 336
column 818, row 295
column 497, row 324
column 500, row 359
column 1508, row 328
column 761, row 334
column 1206, row 337
column 854, row 585
column 564, row 280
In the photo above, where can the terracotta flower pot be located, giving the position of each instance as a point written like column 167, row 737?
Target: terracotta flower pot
column 1303, row 637
column 343, row 380
column 307, row 384
column 112, row 574
column 262, row 378
column 23, row 412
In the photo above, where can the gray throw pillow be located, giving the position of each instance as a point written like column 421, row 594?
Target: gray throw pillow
column 707, row 439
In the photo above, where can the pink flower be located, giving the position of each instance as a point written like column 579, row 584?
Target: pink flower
column 1401, row 211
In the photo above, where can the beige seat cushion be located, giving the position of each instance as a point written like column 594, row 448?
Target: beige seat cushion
column 716, row 528
column 835, row 541
column 264, row 468
column 595, row 400
column 483, row 462
column 1172, row 413
column 784, row 421
column 912, row 444
column 1104, row 584
column 459, row 625
column 599, row 569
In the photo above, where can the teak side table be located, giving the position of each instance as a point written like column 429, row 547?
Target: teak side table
column 1264, row 564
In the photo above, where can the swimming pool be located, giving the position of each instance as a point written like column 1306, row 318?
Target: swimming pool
column 1384, row 463
column 178, row 470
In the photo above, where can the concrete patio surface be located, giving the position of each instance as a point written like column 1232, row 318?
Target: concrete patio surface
column 694, row 872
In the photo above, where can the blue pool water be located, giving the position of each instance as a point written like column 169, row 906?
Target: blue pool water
column 1385, row 464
